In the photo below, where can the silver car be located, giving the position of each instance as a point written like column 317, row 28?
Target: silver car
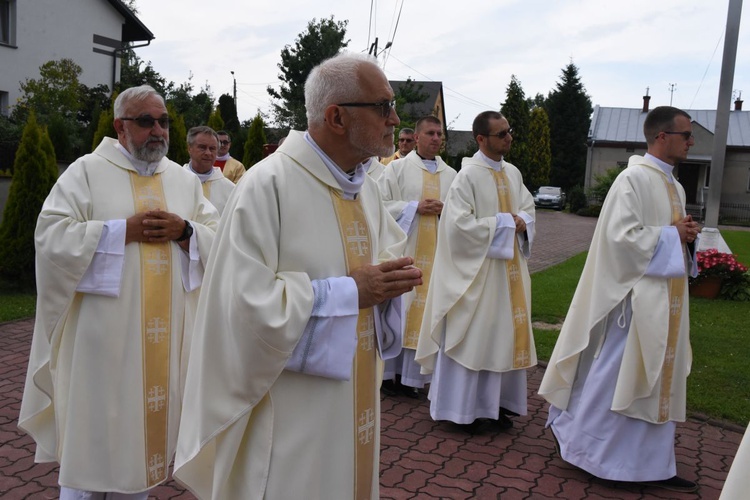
column 550, row 197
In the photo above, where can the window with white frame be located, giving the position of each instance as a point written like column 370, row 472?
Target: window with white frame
column 8, row 22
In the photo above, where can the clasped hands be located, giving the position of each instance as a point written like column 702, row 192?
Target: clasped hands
column 378, row 283
column 154, row 226
column 688, row 229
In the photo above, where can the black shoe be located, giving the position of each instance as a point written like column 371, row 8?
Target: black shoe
column 410, row 392
column 504, row 422
column 389, row 388
column 675, row 483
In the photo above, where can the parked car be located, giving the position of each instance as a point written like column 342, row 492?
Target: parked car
column 550, row 197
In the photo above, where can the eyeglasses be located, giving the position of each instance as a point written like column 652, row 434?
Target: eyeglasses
column 385, row 106
column 405, row 139
column 687, row 134
column 500, row 135
column 225, row 143
column 147, row 121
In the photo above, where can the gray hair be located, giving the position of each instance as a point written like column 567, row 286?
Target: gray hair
column 201, row 129
column 134, row 94
column 333, row 81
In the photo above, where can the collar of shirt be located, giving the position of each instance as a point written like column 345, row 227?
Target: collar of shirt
column 664, row 166
column 430, row 165
column 202, row 177
column 349, row 183
column 223, row 158
column 144, row 168
column 496, row 165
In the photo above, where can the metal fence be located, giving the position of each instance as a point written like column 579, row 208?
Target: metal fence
column 734, row 214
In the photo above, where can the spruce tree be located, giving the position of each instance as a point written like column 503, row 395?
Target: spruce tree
column 569, row 109
column 215, row 121
column 540, row 155
column 516, row 111
column 49, row 151
column 177, row 152
column 256, row 138
column 31, row 185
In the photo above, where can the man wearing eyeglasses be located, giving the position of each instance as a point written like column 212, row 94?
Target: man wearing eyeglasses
column 297, row 310
column 476, row 338
column 413, row 190
column 120, row 245
column 232, row 168
column 406, row 145
column 203, row 143
column 616, row 379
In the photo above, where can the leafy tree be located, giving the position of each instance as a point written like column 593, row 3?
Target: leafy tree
column 407, row 95
column 256, row 138
column 56, row 91
column 58, row 131
column 569, row 109
column 228, row 110
column 516, row 110
column 177, row 152
column 132, row 75
column 10, row 135
column 539, row 153
column 31, row 185
column 602, row 183
column 321, row 41
column 195, row 109
column 215, row 121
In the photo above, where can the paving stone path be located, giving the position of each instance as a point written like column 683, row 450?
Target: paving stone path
column 422, row 459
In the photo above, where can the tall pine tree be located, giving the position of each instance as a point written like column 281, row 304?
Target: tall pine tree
column 256, row 138
column 516, row 111
column 177, row 152
column 32, row 181
column 540, row 155
column 569, row 109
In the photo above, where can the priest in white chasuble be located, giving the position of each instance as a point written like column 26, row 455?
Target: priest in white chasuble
column 616, row 379
column 301, row 302
column 120, row 246
column 476, row 338
column 413, row 190
column 203, row 144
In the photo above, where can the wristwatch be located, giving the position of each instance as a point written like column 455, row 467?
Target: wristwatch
column 187, row 233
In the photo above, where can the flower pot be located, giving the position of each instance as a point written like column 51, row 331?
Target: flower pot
column 708, row 287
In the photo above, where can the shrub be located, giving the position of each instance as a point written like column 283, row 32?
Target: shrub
column 577, row 199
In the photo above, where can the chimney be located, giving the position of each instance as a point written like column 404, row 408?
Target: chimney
column 738, row 104
column 646, row 99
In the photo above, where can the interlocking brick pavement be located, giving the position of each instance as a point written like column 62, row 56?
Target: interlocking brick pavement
column 422, row 459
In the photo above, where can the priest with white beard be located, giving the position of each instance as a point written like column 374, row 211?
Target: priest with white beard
column 476, row 338
column 301, row 303
column 616, row 380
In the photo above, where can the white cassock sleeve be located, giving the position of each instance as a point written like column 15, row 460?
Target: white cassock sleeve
column 325, row 348
column 526, row 239
column 502, row 243
column 667, row 261
column 104, row 274
column 405, row 220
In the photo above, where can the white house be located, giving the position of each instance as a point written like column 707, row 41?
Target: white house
column 90, row 32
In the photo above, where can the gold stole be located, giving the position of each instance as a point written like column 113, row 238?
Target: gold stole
column 156, row 302
column 518, row 307
column 423, row 257
column 206, row 190
column 676, row 296
column 355, row 237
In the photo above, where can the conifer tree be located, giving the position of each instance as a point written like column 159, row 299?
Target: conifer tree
column 105, row 128
column 215, row 121
column 516, row 111
column 540, row 155
column 31, row 185
column 49, row 151
column 177, row 152
column 256, row 138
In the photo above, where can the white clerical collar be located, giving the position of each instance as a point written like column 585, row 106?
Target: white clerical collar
column 350, row 183
column 223, row 158
column 664, row 166
column 496, row 165
column 144, row 168
column 202, row 177
column 430, row 165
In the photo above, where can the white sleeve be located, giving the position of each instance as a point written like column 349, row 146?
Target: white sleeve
column 191, row 266
column 389, row 326
column 104, row 274
column 502, row 243
column 667, row 261
column 526, row 239
column 329, row 342
column 406, row 219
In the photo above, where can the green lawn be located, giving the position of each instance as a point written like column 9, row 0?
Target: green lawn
column 14, row 305
column 719, row 384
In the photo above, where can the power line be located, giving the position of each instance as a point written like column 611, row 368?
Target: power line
column 395, row 29
column 706, row 72
column 369, row 27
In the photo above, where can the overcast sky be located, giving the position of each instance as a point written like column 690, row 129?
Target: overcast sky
column 471, row 46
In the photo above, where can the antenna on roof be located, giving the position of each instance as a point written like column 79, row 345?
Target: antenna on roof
column 672, row 87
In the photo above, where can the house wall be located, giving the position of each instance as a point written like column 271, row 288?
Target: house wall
column 734, row 186
column 53, row 29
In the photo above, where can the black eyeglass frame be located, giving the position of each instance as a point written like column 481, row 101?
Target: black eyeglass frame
column 385, row 106
column 686, row 134
column 500, row 135
column 148, row 121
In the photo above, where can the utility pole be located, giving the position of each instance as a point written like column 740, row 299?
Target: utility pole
column 235, row 92
column 721, row 129
column 672, row 87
